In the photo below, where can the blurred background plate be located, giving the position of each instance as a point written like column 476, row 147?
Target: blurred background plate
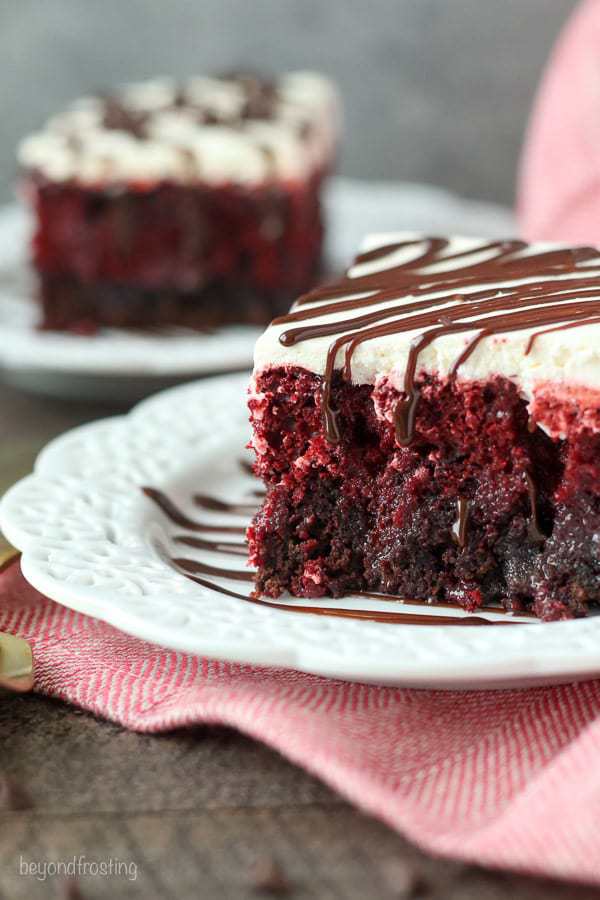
column 130, row 365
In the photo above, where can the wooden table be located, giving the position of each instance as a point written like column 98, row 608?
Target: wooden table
column 203, row 812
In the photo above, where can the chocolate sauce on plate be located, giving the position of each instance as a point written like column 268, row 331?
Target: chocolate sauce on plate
column 178, row 517
column 202, row 573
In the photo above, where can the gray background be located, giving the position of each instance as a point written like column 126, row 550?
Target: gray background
column 435, row 90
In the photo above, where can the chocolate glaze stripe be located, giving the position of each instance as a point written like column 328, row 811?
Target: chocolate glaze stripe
column 505, row 254
column 397, row 277
column 550, row 287
column 260, row 97
column 433, row 246
column 441, row 604
column 227, row 547
column 459, row 529
column 453, row 291
column 195, row 566
column 215, row 504
column 178, row 517
column 414, row 271
column 497, row 296
column 535, row 532
column 567, row 325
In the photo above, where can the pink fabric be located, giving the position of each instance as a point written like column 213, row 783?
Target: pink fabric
column 559, row 185
column 508, row 779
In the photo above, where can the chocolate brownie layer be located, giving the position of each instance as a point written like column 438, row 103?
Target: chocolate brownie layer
column 80, row 307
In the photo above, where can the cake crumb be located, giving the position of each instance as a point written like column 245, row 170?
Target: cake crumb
column 13, row 795
column 72, row 890
column 268, row 877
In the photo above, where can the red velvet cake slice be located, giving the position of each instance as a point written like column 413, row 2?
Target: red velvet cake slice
column 193, row 204
column 429, row 426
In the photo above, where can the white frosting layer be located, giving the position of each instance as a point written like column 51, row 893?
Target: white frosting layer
column 299, row 138
column 566, row 357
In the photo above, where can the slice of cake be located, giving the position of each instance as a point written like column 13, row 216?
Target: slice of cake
column 192, row 204
column 429, row 427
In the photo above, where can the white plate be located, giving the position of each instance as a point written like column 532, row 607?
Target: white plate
column 91, row 539
column 128, row 365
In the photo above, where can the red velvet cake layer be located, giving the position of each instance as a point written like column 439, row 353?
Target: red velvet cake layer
column 481, row 507
column 173, row 254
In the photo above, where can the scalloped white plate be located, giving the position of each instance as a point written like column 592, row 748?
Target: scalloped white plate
column 93, row 542
column 129, row 365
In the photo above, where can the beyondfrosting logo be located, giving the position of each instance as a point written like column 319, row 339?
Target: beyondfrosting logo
column 78, row 867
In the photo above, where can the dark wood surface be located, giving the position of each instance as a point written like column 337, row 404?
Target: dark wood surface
column 203, row 812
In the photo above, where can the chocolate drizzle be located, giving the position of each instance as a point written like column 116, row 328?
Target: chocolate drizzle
column 228, row 547
column 196, row 567
column 506, row 290
column 259, row 102
column 118, row 116
column 535, row 533
column 459, row 529
column 578, row 324
column 390, row 618
column 198, row 570
column 246, row 467
column 204, row 501
column 175, row 515
column 436, row 604
column 188, row 568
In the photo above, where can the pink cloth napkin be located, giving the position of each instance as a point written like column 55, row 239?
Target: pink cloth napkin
column 508, row 779
column 559, row 184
